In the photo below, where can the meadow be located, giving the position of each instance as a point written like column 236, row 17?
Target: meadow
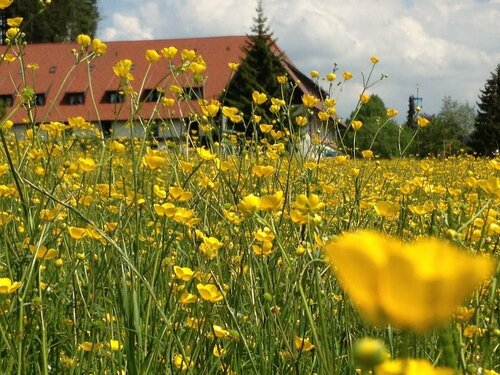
column 130, row 256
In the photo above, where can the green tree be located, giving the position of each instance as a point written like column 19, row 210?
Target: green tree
column 379, row 133
column 258, row 71
column 61, row 21
column 448, row 130
column 412, row 113
column 485, row 139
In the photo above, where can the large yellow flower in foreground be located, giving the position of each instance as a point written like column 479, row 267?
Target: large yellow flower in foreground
column 412, row 286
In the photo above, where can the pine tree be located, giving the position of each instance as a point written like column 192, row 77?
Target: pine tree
column 61, row 21
column 485, row 139
column 258, row 71
column 412, row 112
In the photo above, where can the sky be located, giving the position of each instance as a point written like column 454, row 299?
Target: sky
column 445, row 47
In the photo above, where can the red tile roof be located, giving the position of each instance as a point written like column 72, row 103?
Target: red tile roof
column 58, row 75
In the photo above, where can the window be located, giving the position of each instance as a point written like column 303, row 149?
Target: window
column 74, row 98
column 193, row 93
column 151, row 95
column 114, row 97
column 6, row 100
column 52, row 69
column 40, row 99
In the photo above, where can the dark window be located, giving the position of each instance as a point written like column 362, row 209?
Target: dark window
column 52, row 69
column 151, row 95
column 114, row 97
column 40, row 100
column 193, row 93
column 6, row 100
column 74, row 98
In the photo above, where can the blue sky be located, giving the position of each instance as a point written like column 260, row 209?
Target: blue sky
column 448, row 48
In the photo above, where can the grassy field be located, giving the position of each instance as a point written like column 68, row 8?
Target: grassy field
column 119, row 256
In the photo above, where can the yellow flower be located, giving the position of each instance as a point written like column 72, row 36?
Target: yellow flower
column 411, row 286
column 220, row 332
column 306, row 208
column 364, row 98
column 323, row 116
column 117, row 147
column 99, row 47
column 262, row 171
column 271, row 202
column 367, row 154
column 233, row 66
column 165, row 209
column 265, row 128
column 114, row 345
column 152, row 56
column 386, row 209
column 330, row 77
column 197, row 67
column 209, row 109
column 309, row 100
column 8, row 287
column 422, row 122
column 374, row 59
column 391, row 112
column 303, row 344
column 301, row 120
column 153, row 160
column 249, row 205
column 205, row 154
column 187, row 298
column 43, row 253
column 219, row 351
column 314, row 74
column 491, row 186
column 12, row 33
column 183, row 273
column 259, row 97
column 9, row 58
column 5, row 3
column 5, row 218
column 347, row 75
column 188, row 54
column 122, row 69
column 209, row 292
column 282, row 79
column 210, row 247
column 88, row 346
column 167, row 102
column 181, row 363
column 411, row 367
column 356, row 125
column 14, row 22
column 169, row 52
column 77, row 233
column 86, row 164
column 83, row 40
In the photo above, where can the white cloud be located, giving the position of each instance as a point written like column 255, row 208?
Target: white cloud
column 447, row 47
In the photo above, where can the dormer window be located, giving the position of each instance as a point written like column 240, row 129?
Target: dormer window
column 114, row 97
column 40, row 99
column 6, row 100
column 193, row 93
column 151, row 95
column 74, row 98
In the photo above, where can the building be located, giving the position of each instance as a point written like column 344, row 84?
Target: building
column 63, row 88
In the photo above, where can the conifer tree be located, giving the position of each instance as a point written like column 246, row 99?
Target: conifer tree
column 258, row 71
column 485, row 138
column 61, row 21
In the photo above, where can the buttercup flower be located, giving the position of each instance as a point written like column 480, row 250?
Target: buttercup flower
column 259, row 97
column 122, row 69
column 8, row 287
column 152, row 56
column 422, row 122
column 347, row 75
column 5, row 3
column 356, row 125
column 14, row 22
column 413, row 286
column 83, row 40
column 309, row 100
column 209, row 292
